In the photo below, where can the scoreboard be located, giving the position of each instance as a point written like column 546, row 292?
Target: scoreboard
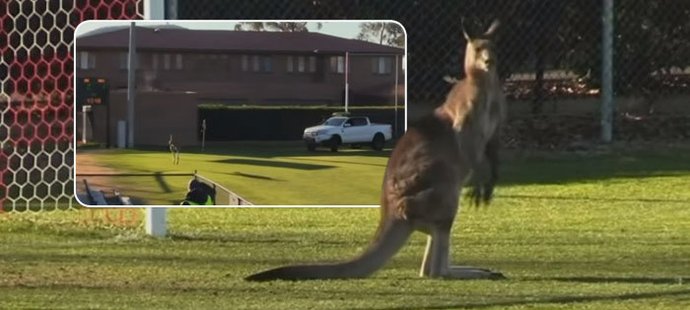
column 92, row 91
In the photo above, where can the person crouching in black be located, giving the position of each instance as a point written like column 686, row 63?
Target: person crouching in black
column 199, row 194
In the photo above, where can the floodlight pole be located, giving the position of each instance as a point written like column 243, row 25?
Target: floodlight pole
column 131, row 84
column 84, row 109
column 395, row 94
column 347, row 80
column 607, row 73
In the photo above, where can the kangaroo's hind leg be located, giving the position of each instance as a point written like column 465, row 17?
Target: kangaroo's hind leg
column 436, row 263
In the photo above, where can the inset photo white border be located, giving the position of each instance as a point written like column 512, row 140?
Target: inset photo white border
column 112, row 31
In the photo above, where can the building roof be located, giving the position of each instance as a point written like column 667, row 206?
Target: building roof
column 225, row 40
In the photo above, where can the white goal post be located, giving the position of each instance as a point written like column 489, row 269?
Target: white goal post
column 155, row 218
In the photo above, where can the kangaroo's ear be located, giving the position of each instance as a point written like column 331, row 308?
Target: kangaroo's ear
column 492, row 29
column 464, row 29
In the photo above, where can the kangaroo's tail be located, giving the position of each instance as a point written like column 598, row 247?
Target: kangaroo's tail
column 390, row 237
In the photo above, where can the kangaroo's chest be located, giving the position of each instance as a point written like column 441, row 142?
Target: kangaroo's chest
column 487, row 122
column 482, row 121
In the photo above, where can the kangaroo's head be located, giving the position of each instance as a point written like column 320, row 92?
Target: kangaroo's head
column 479, row 54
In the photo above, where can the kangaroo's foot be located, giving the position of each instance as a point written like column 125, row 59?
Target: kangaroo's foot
column 436, row 261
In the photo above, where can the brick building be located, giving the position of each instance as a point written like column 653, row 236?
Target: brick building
column 232, row 67
column 245, row 67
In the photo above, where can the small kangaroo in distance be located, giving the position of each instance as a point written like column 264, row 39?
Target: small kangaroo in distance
column 174, row 150
column 438, row 154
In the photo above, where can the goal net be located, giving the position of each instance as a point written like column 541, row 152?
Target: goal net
column 36, row 97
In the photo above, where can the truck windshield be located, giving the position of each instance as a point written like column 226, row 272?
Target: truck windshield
column 334, row 121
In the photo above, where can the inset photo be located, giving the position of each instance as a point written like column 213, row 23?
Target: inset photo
column 236, row 113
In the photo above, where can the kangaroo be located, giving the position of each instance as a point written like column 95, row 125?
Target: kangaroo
column 421, row 186
column 485, row 176
column 174, row 150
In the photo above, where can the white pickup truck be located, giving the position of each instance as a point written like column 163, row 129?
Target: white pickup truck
column 353, row 130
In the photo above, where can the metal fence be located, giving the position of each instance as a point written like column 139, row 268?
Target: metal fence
column 550, row 51
column 551, row 54
column 548, row 48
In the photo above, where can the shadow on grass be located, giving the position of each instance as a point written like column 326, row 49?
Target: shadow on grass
column 293, row 239
column 557, row 169
column 553, row 168
column 253, row 176
column 273, row 163
column 572, row 169
column 280, row 149
column 161, row 182
column 342, row 162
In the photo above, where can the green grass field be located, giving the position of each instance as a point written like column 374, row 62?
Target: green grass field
column 609, row 231
column 264, row 173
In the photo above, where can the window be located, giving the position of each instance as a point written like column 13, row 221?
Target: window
column 334, row 121
column 224, row 63
column 358, row 121
column 166, row 61
column 178, row 61
column 154, row 62
column 208, row 63
column 338, row 64
column 87, row 60
column 312, row 63
column 300, row 64
column 382, row 65
column 245, row 63
column 124, row 60
column 267, row 65
column 257, row 63
column 290, row 65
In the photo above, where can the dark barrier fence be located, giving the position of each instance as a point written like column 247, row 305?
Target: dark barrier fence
column 280, row 124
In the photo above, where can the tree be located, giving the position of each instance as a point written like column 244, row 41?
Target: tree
column 275, row 26
column 383, row 33
column 649, row 42
column 544, row 30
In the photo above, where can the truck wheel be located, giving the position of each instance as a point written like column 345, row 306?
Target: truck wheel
column 334, row 143
column 378, row 142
